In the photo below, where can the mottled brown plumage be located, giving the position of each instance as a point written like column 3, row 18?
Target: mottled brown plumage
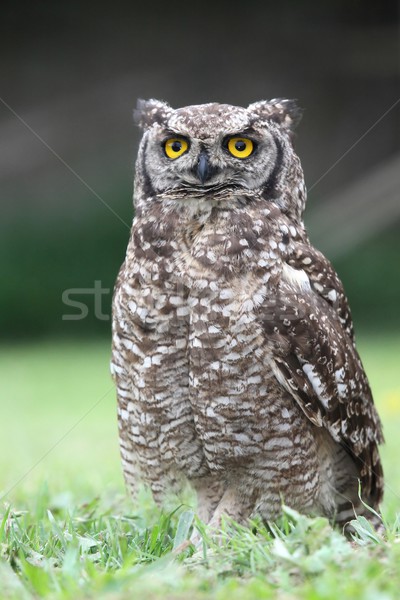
column 233, row 346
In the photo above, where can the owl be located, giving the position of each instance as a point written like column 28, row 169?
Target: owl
column 233, row 348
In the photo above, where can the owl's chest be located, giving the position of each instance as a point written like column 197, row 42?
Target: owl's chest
column 223, row 277
column 226, row 290
column 212, row 293
column 226, row 348
column 230, row 380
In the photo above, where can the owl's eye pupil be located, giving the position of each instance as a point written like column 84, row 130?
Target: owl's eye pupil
column 176, row 146
column 240, row 146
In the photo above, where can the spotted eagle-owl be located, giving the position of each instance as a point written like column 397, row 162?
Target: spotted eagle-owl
column 233, row 346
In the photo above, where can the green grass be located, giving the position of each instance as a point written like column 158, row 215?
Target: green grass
column 67, row 529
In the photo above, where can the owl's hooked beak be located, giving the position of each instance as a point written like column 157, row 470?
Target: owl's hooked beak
column 204, row 170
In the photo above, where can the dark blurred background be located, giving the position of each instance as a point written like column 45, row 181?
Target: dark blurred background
column 70, row 75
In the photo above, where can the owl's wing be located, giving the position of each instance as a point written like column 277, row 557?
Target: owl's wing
column 314, row 357
column 324, row 281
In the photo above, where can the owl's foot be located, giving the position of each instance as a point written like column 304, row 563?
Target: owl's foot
column 209, row 493
column 233, row 505
column 214, row 503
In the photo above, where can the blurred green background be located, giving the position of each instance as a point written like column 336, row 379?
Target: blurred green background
column 71, row 74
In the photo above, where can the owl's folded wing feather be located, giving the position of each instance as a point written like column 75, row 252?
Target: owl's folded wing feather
column 314, row 357
column 324, row 281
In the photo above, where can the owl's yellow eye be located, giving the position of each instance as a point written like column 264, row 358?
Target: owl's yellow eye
column 175, row 147
column 240, row 147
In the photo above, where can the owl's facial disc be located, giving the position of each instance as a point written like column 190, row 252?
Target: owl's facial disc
column 207, row 165
column 183, row 163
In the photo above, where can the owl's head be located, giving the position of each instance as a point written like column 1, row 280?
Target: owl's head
column 219, row 152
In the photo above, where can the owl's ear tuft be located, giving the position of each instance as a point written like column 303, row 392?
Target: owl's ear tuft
column 149, row 112
column 285, row 112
